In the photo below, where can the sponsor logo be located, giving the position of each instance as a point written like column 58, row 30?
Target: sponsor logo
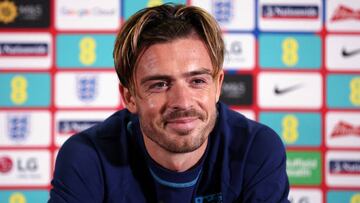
column 348, row 167
column 18, row 127
column 23, row 49
column 27, row 14
column 237, row 90
column 27, row 169
column 66, row 127
column 343, row 129
column 6, row 164
column 343, row 168
column 296, row 51
column 355, row 198
column 28, row 165
column 223, row 10
column 304, row 168
column 342, row 52
column 277, row 90
column 336, row 196
column 86, row 86
column 213, row 198
column 295, row 129
column 85, row 12
column 297, row 195
column 280, row 91
column 8, row 12
column 347, row 53
column 24, row 196
column 290, row 11
column 239, row 51
column 345, row 13
column 235, row 48
column 17, row 197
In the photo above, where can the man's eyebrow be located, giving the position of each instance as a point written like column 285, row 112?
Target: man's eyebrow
column 154, row 77
column 201, row 71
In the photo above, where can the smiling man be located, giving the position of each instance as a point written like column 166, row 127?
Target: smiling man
column 174, row 141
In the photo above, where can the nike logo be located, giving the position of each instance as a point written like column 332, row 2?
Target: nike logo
column 281, row 91
column 347, row 53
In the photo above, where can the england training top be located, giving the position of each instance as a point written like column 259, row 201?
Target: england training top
column 244, row 161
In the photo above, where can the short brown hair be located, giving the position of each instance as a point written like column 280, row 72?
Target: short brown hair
column 161, row 24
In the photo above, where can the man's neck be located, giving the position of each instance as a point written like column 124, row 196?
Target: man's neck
column 178, row 162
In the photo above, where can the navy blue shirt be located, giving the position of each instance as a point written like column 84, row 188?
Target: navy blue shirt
column 244, row 162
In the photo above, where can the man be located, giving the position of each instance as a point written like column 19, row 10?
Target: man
column 174, row 142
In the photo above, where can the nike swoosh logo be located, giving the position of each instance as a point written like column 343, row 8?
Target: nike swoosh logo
column 347, row 53
column 281, row 91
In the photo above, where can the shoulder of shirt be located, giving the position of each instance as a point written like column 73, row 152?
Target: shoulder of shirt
column 242, row 133
column 107, row 138
column 237, row 121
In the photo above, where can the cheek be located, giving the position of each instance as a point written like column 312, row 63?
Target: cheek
column 148, row 106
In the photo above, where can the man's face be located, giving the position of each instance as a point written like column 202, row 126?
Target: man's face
column 176, row 94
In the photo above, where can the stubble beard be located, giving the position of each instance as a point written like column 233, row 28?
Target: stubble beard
column 182, row 141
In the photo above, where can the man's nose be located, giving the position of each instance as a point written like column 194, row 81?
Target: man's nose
column 179, row 96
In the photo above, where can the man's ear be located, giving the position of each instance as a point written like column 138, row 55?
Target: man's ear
column 127, row 99
column 219, row 81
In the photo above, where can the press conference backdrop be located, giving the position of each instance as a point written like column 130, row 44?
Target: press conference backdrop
column 293, row 65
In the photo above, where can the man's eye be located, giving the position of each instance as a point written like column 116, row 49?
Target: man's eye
column 198, row 81
column 159, row 85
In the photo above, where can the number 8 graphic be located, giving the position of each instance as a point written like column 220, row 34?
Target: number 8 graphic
column 18, row 90
column 290, row 124
column 355, row 91
column 290, row 47
column 87, row 47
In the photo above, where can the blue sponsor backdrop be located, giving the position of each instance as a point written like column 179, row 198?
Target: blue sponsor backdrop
column 343, row 196
column 24, row 196
column 25, row 90
column 84, row 51
column 295, row 129
column 343, row 91
column 290, row 51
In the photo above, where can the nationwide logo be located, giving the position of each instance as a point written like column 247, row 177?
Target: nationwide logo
column 348, row 167
column 290, row 11
column 84, row 12
column 18, row 127
column 345, row 13
column 8, row 12
column 284, row 90
column 23, row 49
column 67, row 127
column 6, row 164
column 343, row 129
column 86, row 87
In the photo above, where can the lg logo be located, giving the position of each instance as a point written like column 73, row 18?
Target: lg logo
column 22, row 165
column 6, row 164
column 27, row 165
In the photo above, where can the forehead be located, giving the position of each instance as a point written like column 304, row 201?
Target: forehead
column 174, row 57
